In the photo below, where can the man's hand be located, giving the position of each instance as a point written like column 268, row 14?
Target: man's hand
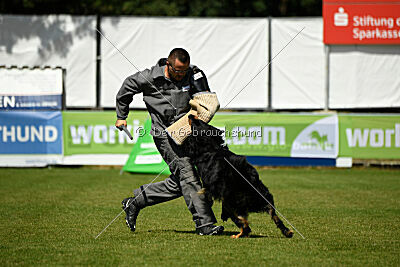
column 119, row 123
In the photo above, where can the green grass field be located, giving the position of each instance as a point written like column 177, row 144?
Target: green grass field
column 51, row 216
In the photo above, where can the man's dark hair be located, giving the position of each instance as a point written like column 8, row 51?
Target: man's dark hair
column 178, row 53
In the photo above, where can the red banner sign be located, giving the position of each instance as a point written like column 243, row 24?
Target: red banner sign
column 361, row 22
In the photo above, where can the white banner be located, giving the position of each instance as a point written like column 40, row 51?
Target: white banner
column 26, row 89
column 298, row 72
column 30, row 81
column 364, row 76
column 229, row 51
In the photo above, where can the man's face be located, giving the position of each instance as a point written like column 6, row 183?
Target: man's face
column 177, row 70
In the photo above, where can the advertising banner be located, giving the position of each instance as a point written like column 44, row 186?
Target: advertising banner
column 95, row 132
column 252, row 134
column 369, row 136
column 282, row 135
column 26, row 132
column 30, row 89
column 361, row 22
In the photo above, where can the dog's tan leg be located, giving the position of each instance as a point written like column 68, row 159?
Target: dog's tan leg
column 244, row 229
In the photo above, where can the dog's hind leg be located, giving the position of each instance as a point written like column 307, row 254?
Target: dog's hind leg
column 243, row 224
column 285, row 231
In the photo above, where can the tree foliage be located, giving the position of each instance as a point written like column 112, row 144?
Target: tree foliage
column 194, row 8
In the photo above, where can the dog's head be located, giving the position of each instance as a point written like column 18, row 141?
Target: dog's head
column 204, row 138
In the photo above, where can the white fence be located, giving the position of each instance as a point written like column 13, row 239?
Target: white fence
column 304, row 75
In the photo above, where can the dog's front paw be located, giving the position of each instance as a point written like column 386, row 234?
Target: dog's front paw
column 239, row 235
column 244, row 232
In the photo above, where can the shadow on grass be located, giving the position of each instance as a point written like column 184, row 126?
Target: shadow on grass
column 230, row 233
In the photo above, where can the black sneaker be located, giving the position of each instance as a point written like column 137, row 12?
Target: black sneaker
column 131, row 212
column 210, row 230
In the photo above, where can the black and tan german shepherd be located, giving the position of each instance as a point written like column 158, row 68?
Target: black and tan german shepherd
column 221, row 172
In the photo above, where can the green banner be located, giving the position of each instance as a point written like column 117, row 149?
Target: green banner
column 369, row 136
column 95, row 133
column 254, row 134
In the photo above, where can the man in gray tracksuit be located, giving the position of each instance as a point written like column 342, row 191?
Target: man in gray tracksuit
column 167, row 88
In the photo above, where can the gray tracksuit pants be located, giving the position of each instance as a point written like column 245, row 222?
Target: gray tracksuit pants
column 182, row 181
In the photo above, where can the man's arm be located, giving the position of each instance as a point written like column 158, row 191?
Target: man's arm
column 132, row 85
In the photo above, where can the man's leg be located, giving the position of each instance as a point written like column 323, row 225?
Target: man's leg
column 183, row 181
column 151, row 194
column 182, row 168
column 148, row 195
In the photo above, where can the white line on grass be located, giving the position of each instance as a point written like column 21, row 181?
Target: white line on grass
column 265, row 198
column 134, row 199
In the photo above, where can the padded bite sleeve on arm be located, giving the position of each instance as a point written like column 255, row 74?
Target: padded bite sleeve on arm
column 181, row 129
column 206, row 104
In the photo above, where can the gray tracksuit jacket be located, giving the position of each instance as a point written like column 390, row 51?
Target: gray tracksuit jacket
column 166, row 101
